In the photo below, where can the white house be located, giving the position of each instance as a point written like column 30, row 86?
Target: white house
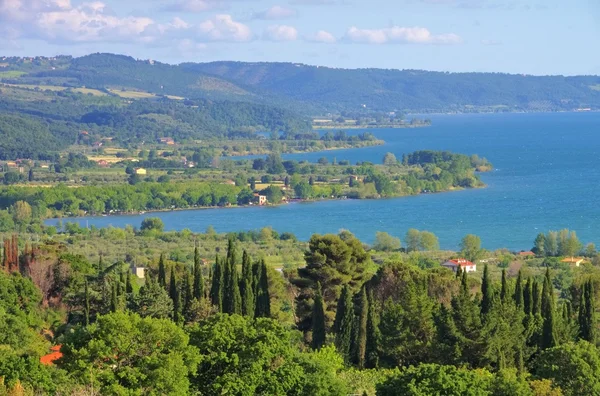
column 140, row 272
column 465, row 265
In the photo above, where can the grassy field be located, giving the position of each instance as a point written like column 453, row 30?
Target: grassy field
column 57, row 88
column 11, row 74
column 132, row 94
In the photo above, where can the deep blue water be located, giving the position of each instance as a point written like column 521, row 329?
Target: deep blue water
column 547, row 177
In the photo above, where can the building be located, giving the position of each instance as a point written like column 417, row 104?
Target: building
column 465, row 265
column 573, row 260
column 166, row 140
column 55, row 354
column 140, row 171
column 140, row 272
column 526, row 254
column 260, row 199
column 103, row 163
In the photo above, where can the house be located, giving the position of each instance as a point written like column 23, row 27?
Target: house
column 54, row 355
column 260, row 199
column 140, row 272
column 573, row 260
column 465, row 265
column 229, row 182
column 103, row 163
column 166, row 140
column 140, row 171
column 526, row 254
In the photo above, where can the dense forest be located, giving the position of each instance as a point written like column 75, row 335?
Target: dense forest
column 313, row 90
column 340, row 323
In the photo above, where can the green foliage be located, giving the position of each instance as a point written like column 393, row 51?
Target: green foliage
column 152, row 224
column 124, row 353
column 384, row 242
column 470, row 247
column 318, row 320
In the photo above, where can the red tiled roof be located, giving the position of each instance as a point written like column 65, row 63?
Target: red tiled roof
column 526, row 254
column 461, row 262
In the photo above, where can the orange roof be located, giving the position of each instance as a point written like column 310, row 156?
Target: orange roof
column 50, row 358
column 461, row 262
column 526, row 254
column 572, row 260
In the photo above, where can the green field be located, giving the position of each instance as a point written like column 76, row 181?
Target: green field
column 11, row 74
column 132, row 94
column 57, row 88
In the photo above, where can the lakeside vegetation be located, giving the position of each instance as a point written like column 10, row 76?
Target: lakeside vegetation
column 338, row 317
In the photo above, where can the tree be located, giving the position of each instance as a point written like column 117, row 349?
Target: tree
column 361, row 329
column 30, row 176
column 11, row 178
column 125, row 353
column 470, row 247
column 587, row 313
column 540, row 244
column 86, row 304
column 574, row 367
column 216, row 290
column 384, row 242
column 504, row 287
column 274, row 164
column 549, row 336
column 21, row 212
column 263, row 296
column 198, row 288
column 551, row 244
column 389, row 159
column 232, row 298
column 428, row 241
column 303, row 190
column 152, row 224
column 246, row 287
column 373, row 335
column 518, row 296
column 152, row 301
column 318, row 320
column 487, row 292
column 162, row 272
column 273, row 193
column 344, row 319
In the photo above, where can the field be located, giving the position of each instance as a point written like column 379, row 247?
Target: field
column 57, row 88
column 11, row 74
column 132, row 94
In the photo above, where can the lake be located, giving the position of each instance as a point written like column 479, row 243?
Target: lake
column 547, row 177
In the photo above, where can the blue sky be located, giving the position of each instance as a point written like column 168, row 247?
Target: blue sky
column 515, row 36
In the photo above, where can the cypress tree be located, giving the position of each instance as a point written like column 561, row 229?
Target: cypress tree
column 344, row 319
column 549, row 338
column 188, row 289
column 173, row 286
column 177, row 307
column 114, row 304
column 458, row 272
column 536, row 307
column 587, row 317
column 100, row 265
column 246, row 287
column 373, row 335
column 216, row 290
column 504, row 288
column 198, row 278
column 487, row 295
column 162, row 272
column 263, row 297
column 86, row 303
column 128, row 284
column 233, row 287
column 518, row 296
column 361, row 340
column 528, row 298
column 318, row 320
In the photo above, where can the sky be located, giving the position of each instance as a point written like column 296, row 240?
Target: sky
column 537, row 37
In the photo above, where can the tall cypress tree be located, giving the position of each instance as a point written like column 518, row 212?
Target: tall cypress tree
column 318, row 320
column 487, row 294
column 128, row 284
column 173, row 285
column 232, row 299
column 536, row 307
column 587, row 317
column 100, row 265
column 361, row 340
column 518, row 296
column 263, row 296
column 188, row 292
column 216, row 290
column 246, row 287
column 504, row 288
column 198, row 277
column 344, row 319
column 549, row 337
column 86, row 304
column 162, row 272
column 114, row 304
column 373, row 335
column 177, row 307
column 528, row 298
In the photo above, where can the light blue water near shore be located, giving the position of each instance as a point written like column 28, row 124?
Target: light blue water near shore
column 547, row 177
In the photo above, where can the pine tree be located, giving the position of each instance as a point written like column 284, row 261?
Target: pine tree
column 549, row 338
column 487, row 294
column 216, row 290
column 86, row 303
column 361, row 340
column 318, row 320
column 198, row 278
column 246, row 287
column 504, row 288
column 162, row 272
column 263, row 296
column 518, row 296
column 373, row 335
column 342, row 327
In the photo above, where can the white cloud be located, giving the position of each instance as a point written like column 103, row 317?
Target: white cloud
column 322, row 36
column 400, row 35
column 196, row 5
column 275, row 12
column 223, row 28
column 281, row 33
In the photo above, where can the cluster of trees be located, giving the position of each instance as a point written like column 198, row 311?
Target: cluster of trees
column 561, row 243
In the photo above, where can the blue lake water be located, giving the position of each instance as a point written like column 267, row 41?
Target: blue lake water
column 547, row 177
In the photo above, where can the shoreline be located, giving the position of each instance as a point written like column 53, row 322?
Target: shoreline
column 373, row 143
